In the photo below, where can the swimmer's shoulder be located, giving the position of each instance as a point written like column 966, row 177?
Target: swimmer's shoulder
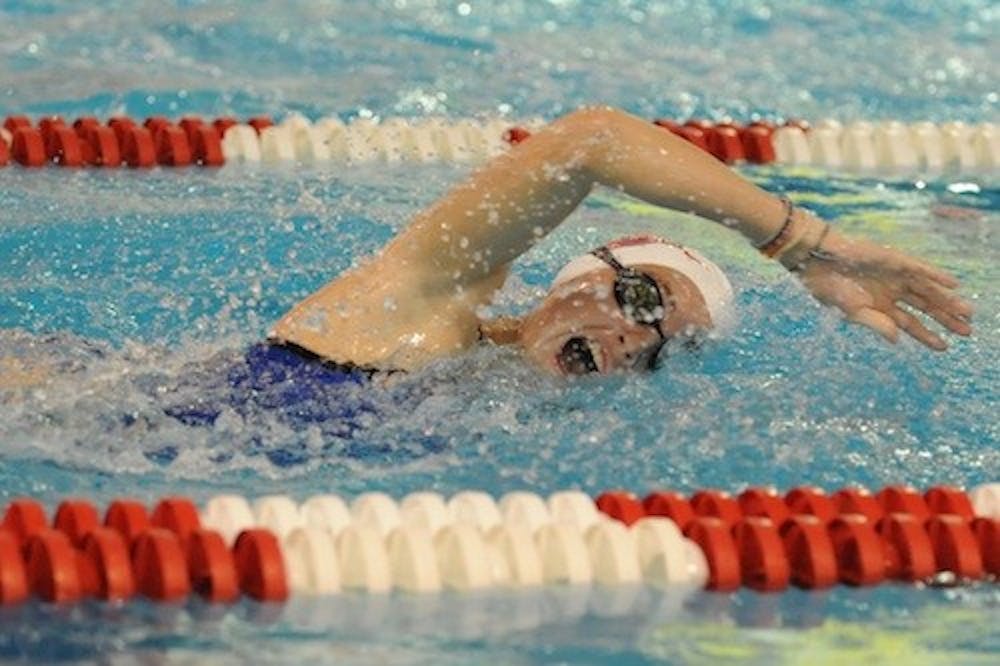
column 385, row 315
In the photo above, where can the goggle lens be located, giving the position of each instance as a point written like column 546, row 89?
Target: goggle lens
column 639, row 298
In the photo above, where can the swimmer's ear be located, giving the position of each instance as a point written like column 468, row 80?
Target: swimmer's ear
column 501, row 331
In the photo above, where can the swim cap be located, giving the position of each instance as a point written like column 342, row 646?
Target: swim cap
column 652, row 250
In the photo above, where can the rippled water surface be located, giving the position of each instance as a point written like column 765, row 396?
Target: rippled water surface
column 132, row 287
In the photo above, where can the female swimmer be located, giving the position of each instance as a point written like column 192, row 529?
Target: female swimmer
column 610, row 310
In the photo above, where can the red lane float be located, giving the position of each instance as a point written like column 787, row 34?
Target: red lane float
column 102, row 147
column 858, row 500
column 13, row 575
column 758, row 144
column 155, row 123
column 945, row 499
column 63, row 147
column 724, row 142
column 159, row 566
column 224, row 123
column 23, row 518
column 48, row 126
column 211, row 567
column 28, row 147
column 764, row 502
column 715, row 540
column 80, row 125
column 717, row 504
column 260, row 123
column 190, row 124
column 127, row 517
column 164, row 557
column 810, row 552
column 172, row 147
column 53, row 573
column 763, row 561
column 955, row 546
column 858, row 549
column 811, row 501
column 75, row 518
column 14, row 123
column 260, row 566
column 621, row 506
column 909, row 555
column 903, row 499
column 108, row 553
column 693, row 135
column 177, row 514
column 207, row 147
column 120, row 125
column 669, row 505
column 138, row 149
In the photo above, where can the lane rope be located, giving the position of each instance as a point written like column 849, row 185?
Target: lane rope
column 884, row 147
column 275, row 547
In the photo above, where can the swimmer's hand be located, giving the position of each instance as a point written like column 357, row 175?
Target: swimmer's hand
column 875, row 286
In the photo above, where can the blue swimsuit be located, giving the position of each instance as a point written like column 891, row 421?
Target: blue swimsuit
column 299, row 390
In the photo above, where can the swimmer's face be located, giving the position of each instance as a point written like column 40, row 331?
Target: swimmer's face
column 579, row 328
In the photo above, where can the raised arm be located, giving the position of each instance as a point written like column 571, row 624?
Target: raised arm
column 417, row 299
column 495, row 216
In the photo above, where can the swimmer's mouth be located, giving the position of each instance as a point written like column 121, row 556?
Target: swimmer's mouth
column 579, row 356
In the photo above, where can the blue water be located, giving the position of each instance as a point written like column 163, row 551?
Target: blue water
column 127, row 282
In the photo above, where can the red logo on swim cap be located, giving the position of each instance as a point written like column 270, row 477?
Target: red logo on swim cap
column 628, row 241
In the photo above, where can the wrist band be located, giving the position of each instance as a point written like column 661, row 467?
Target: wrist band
column 818, row 252
column 801, row 250
column 773, row 245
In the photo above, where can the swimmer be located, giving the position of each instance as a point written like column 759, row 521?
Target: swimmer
column 611, row 310
column 615, row 308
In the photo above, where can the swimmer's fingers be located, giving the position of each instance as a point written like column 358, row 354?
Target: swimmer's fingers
column 951, row 318
column 853, row 301
column 921, row 269
column 944, row 299
column 915, row 328
column 877, row 321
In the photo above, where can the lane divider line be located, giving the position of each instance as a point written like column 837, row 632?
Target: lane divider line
column 425, row 543
column 859, row 147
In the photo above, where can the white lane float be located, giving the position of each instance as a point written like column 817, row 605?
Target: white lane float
column 327, row 512
column 228, row 515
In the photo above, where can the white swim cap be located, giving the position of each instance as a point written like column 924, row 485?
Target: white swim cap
column 651, row 250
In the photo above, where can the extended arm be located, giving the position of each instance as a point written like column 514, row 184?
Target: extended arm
column 495, row 216
column 456, row 253
column 503, row 209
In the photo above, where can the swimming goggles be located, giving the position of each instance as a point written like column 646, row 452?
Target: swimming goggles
column 641, row 299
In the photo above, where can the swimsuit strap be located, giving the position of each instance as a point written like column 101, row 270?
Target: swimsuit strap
column 312, row 357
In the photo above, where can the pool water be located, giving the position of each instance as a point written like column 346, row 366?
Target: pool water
column 130, row 282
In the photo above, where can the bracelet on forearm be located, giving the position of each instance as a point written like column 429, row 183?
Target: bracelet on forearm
column 808, row 245
column 818, row 252
column 773, row 245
